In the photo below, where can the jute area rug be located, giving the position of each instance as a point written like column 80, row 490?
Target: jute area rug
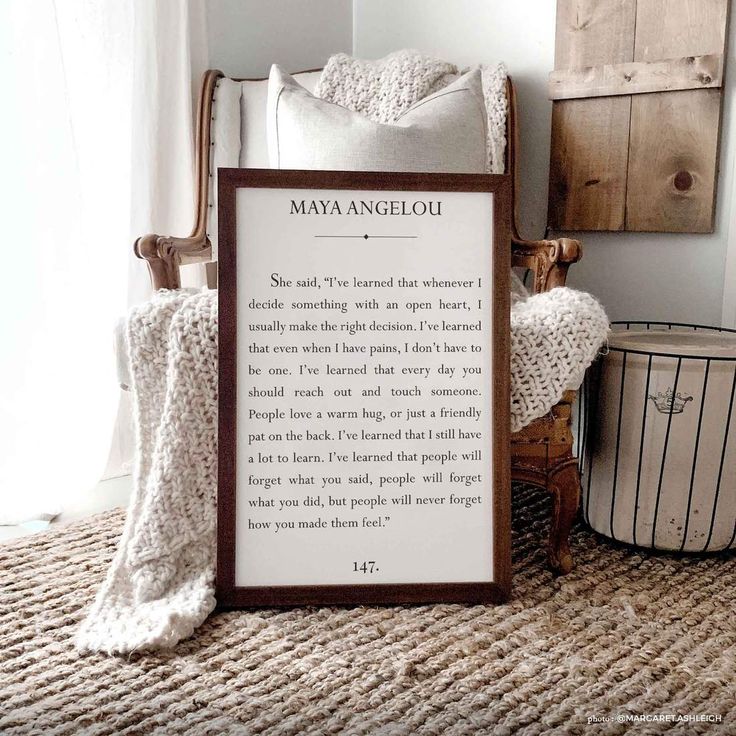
column 626, row 633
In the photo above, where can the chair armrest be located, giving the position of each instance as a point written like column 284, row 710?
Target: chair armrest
column 547, row 259
column 164, row 254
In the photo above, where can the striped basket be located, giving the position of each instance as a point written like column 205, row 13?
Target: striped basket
column 657, row 437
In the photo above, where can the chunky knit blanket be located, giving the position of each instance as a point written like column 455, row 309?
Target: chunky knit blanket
column 160, row 585
column 161, row 582
column 385, row 89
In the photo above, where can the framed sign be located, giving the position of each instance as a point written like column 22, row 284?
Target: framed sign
column 363, row 388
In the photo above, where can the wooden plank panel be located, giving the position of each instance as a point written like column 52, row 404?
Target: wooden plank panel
column 673, row 161
column 590, row 137
column 637, row 77
column 669, row 28
column 673, row 148
column 594, row 32
column 588, row 164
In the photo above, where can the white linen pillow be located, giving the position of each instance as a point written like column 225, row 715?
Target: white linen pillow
column 445, row 132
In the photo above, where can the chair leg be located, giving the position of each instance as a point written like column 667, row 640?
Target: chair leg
column 564, row 484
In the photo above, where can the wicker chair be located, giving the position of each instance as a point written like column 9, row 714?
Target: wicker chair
column 541, row 453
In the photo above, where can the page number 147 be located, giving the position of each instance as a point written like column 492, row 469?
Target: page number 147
column 368, row 566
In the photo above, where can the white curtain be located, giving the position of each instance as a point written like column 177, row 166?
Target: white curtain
column 96, row 131
column 170, row 58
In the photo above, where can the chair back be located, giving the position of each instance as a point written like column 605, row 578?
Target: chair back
column 231, row 132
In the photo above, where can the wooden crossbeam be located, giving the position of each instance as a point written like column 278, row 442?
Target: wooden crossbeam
column 637, row 77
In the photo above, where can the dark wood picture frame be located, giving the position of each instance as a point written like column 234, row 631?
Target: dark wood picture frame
column 227, row 593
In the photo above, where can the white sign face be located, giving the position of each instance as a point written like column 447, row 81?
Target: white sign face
column 364, row 387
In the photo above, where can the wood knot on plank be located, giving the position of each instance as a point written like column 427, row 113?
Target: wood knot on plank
column 580, row 24
column 683, row 181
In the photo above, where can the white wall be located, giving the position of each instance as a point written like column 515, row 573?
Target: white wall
column 729, row 277
column 246, row 36
column 650, row 276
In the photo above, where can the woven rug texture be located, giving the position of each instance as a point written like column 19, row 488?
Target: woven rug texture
column 626, row 632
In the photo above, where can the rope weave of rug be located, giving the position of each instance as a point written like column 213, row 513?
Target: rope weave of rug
column 627, row 632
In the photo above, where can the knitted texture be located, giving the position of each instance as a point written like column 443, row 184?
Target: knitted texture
column 160, row 585
column 626, row 632
column 385, row 89
column 493, row 79
column 555, row 336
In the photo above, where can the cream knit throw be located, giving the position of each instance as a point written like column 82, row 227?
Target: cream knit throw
column 161, row 582
column 554, row 338
column 384, row 89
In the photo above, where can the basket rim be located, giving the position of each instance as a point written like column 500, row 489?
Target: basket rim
column 662, row 326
